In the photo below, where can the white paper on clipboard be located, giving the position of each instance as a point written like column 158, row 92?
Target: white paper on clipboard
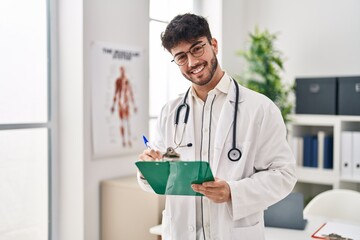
column 343, row 229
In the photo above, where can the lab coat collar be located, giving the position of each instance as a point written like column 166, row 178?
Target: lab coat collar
column 222, row 86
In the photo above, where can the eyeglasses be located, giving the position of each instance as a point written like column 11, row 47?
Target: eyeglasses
column 196, row 51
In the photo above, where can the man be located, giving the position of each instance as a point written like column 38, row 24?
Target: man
column 258, row 174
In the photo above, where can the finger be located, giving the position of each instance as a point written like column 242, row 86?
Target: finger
column 149, row 155
column 158, row 154
column 218, row 194
column 197, row 188
column 145, row 157
column 215, row 197
column 214, row 184
column 217, row 183
column 155, row 154
column 209, row 184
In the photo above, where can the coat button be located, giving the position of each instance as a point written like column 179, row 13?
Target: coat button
column 191, row 228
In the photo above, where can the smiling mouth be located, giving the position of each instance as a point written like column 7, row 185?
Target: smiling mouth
column 197, row 69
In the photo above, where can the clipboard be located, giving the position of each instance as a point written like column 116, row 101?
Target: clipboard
column 175, row 177
column 344, row 230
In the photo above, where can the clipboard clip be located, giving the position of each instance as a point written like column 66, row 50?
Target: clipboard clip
column 171, row 155
column 333, row 236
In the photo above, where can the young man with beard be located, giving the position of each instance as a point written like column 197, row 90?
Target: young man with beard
column 251, row 159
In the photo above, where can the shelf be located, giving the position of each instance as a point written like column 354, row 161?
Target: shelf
column 321, row 120
column 350, row 180
column 310, row 124
column 314, row 120
column 350, row 118
column 316, row 175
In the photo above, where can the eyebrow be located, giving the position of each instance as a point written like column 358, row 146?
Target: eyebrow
column 194, row 44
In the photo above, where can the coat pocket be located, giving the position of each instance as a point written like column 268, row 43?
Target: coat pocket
column 254, row 232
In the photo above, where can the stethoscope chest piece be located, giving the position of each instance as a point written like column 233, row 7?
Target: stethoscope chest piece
column 234, row 154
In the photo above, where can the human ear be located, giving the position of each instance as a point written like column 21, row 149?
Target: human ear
column 214, row 45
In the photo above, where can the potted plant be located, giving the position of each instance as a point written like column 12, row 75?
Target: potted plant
column 264, row 65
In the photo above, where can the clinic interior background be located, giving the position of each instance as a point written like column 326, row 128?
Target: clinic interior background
column 318, row 38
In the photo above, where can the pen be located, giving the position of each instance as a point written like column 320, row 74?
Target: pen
column 146, row 142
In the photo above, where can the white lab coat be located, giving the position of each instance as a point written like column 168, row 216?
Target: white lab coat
column 264, row 175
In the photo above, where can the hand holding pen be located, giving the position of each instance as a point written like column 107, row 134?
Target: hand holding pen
column 150, row 154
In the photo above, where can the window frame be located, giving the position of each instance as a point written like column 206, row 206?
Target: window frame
column 51, row 124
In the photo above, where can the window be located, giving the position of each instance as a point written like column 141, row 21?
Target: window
column 25, row 122
column 166, row 81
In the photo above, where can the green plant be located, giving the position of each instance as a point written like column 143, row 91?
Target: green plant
column 264, row 65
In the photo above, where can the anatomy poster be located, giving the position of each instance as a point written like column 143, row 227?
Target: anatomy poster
column 119, row 94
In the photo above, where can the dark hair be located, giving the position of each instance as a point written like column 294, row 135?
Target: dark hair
column 187, row 27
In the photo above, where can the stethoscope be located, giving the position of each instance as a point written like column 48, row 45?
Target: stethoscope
column 234, row 153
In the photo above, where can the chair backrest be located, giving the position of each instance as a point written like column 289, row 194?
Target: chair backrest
column 287, row 213
column 335, row 203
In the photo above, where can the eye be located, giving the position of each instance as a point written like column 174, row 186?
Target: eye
column 196, row 49
column 181, row 57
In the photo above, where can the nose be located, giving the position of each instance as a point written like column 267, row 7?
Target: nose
column 192, row 61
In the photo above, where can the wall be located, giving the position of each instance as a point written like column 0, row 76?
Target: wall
column 234, row 34
column 76, row 214
column 213, row 12
column 318, row 38
column 70, row 209
column 120, row 22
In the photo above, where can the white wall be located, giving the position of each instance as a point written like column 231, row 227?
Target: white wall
column 120, row 22
column 213, row 12
column 318, row 38
column 233, row 34
column 79, row 23
column 70, row 209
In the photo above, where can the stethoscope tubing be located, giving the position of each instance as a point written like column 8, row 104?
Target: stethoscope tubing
column 234, row 153
column 186, row 118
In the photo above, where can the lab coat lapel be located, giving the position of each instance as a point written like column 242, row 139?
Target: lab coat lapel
column 225, row 127
column 190, row 136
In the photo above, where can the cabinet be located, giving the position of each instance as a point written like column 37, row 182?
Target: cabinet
column 313, row 180
column 128, row 212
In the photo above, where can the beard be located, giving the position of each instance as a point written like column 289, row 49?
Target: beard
column 212, row 70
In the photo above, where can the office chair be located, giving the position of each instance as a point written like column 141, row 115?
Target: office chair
column 335, row 203
column 287, row 213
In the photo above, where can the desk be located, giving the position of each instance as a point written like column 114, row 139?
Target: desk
column 313, row 224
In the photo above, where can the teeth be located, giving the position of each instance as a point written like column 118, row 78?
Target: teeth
column 197, row 70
